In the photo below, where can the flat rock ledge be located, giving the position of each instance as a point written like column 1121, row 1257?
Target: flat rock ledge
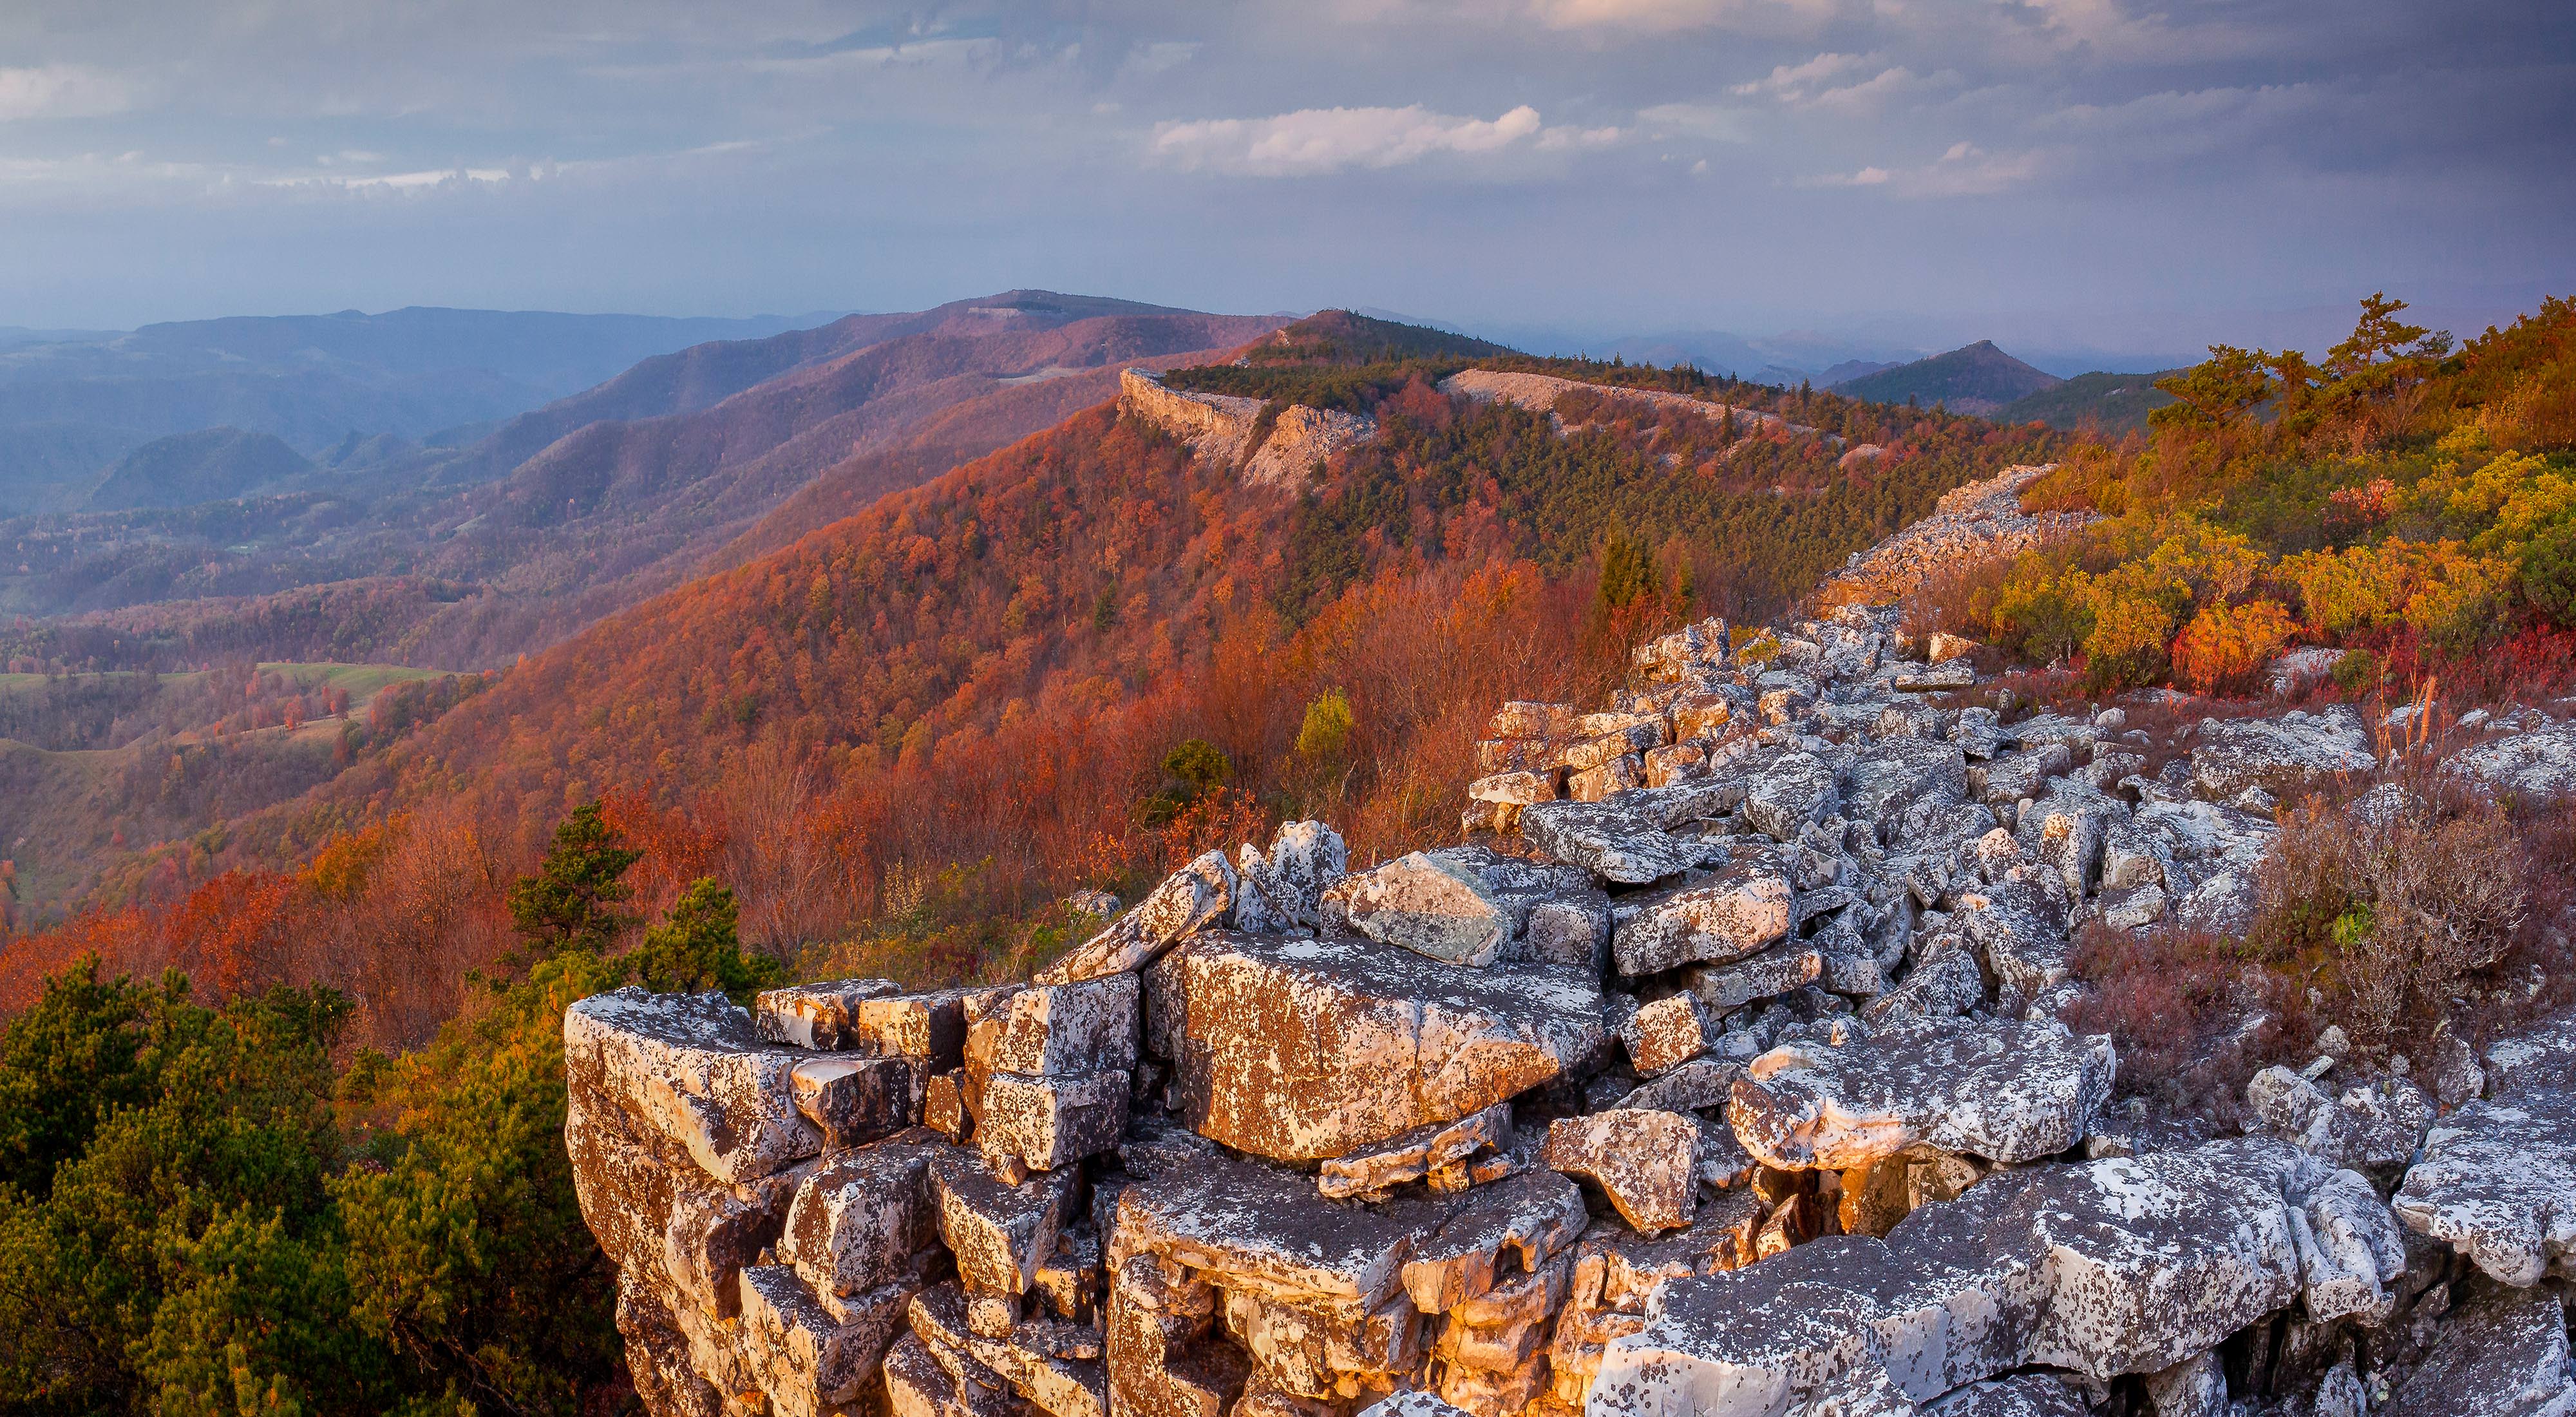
column 1717, row 1072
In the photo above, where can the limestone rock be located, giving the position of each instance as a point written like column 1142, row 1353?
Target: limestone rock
column 2534, row 766
column 1667, row 1033
column 1529, row 1217
column 1068, row 1029
column 1612, row 839
column 2502, row 1354
column 2497, row 1182
column 1252, row 1226
column 1726, row 987
column 1312, row 1049
column 1283, row 888
column 817, row 1016
column 694, row 1067
column 1647, row 1162
column 2297, row 752
column 858, row 1222
column 1427, row 1150
column 855, row 1099
column 1052, row 1121
column 1000, row 1233
column 2005, row 1091
column 811, row 1356
column 1744, row 909
column 1427, row 903
column 1198, row 896
column 1792, row 791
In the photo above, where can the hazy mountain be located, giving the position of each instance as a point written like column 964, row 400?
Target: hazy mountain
column 208, row 465
column 310, row 380
column 1977, row 378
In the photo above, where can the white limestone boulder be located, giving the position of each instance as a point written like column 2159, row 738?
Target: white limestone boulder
column 2007, row 1091
column 694, row 1067
column 1311, row 1049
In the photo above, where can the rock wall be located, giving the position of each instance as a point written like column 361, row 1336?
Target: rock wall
column 1219, row 427
column 1539, row 393
column 1216, row 426
column 1719, row 1072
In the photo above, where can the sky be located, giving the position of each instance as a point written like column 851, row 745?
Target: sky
column 2112, row 175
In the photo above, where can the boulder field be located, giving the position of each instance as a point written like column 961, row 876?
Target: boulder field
column 1718, row 1073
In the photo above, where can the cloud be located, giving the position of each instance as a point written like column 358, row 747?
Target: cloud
column 1791, row 82
column 1315, row 141
column 1965, row 170
column 397, row 181
column 1871, row 94
column 62, row 91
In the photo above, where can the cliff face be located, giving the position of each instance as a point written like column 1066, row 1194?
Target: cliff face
column 1216, row 426
column 1719, row 1071
column 1219, row 427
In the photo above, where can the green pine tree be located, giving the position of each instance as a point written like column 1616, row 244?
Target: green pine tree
column 571, row 903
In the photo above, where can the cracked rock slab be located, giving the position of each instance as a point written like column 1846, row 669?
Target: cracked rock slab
column 1743, row 910
column 2004, row 1091
column 2497, row 1182
column 857, row 1222
column 1197, row 897
column 1646, row 1161
column 2502, row 1354
column 694, row 1067
column 1311, row 1049
column 1416, row 1154
column 2294, row 753
column 1001, row 1234
column 1612, row 839
column 1257, row 1226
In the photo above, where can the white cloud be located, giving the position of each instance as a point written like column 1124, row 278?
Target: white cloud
column 1791, row 82
column 1964, row 170
column 62, row 91
column 397, row 181
column 1314, row 141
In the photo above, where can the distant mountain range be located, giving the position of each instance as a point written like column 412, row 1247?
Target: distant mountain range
column 73, row 402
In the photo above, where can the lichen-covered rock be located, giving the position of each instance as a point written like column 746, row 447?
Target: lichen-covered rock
column 1046, row 1122
column 1528, row 1218
column 2297, row 752
column 1248, row 1225
column 1613, row 840
column 2536, row 766
column 1068, row 1029
column 811, row 1354
column 1646, row 1162
column 694, row 1067
column 859, row 1221
column 2126, row 1265
column 1311, row 1049
column 1000, row 1233
column 821, row 1016
column 1745, row 908
column 1439, row 1148
column 1198, row 896
column 1788, row 794
column 2005, row 1091
column 2497, row 1182
column 2502, row 1354
column 1429, row 903
column 1283, row 888
column 1667, row 1033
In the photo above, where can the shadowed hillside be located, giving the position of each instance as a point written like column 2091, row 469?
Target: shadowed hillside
column 1976, row 378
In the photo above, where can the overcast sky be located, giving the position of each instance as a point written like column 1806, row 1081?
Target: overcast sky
column 2128, row 173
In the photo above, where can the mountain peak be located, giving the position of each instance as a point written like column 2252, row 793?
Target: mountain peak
column 1974, row 378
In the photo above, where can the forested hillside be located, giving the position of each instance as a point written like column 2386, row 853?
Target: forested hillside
column 894, row 743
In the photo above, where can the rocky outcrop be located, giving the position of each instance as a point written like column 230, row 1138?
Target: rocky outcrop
column 1540, row 393
column 1720, row 1072
column 1978, row 522
column 1221, row 429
